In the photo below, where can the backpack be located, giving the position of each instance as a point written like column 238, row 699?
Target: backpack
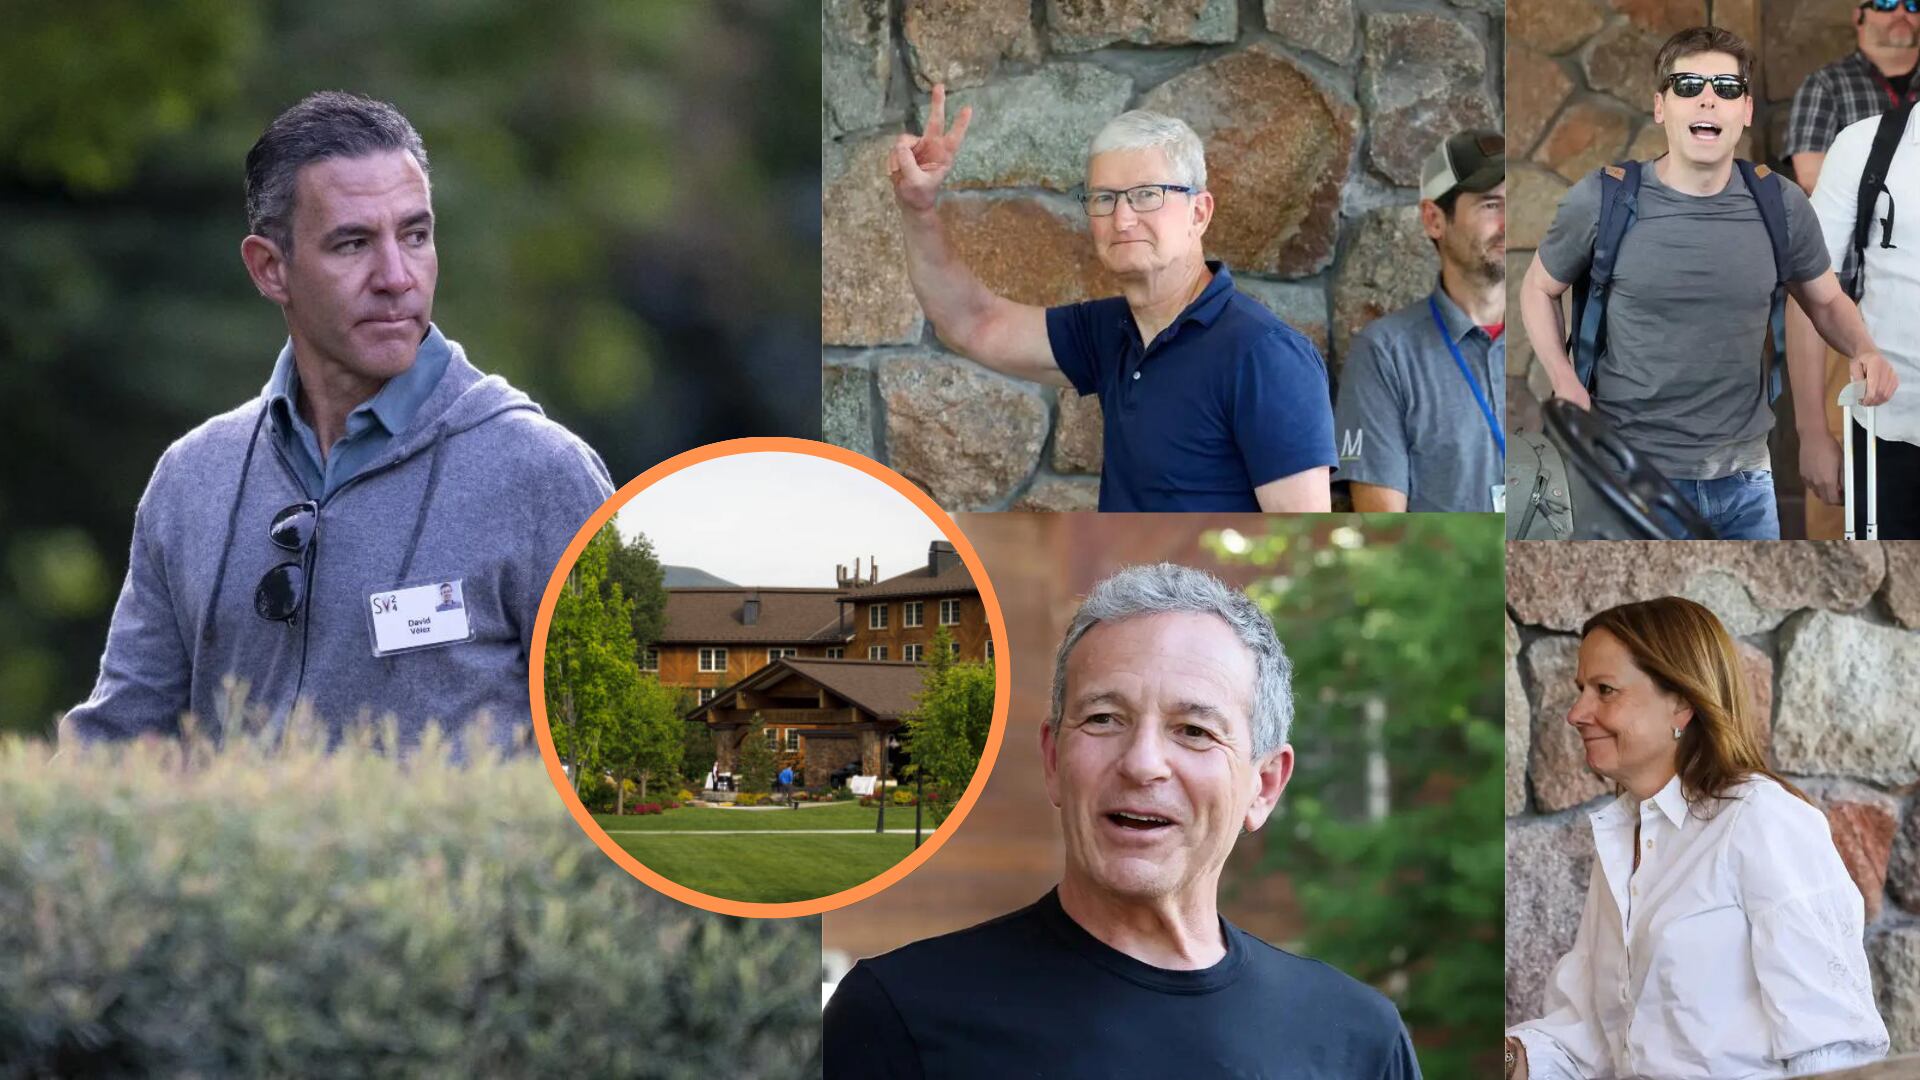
column 1619, row 200
column 1873, row 183
column 1539, row 499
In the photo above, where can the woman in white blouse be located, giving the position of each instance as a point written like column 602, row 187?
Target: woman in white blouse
column 1722, row 936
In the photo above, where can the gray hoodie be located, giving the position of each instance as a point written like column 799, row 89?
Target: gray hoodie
column 481, row 488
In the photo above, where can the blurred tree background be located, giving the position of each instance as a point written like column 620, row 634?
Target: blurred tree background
column 628, row 204
column 1393, row 823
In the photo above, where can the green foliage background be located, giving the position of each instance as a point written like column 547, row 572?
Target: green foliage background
column 947, row 731
column 1400, row 616
column 628, row 202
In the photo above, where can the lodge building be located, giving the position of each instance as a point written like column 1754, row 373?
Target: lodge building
column 829, row 671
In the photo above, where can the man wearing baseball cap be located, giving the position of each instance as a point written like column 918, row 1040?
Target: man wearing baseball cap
column 1422, row 404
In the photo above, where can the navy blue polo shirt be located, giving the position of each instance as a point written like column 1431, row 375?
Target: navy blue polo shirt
column 1225, row 399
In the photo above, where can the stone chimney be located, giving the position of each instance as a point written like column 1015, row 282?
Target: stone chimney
column 941, row 556
column 873, row 569
column 750, row 609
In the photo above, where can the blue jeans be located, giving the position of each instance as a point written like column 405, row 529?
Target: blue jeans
column 1739, row 507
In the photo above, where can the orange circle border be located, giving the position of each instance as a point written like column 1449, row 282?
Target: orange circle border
column 996, row 628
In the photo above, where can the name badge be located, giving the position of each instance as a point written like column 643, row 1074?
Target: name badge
column 1499, row 498
column 418, row 617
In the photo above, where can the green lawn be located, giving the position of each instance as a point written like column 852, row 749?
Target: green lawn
column 767, row 869
column 845, row 815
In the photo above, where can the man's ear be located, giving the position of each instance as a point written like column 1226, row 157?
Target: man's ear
column 1050, row 762
column 1433, row 220
column 267, row 266
column 1202, row 212
column 1273, row 772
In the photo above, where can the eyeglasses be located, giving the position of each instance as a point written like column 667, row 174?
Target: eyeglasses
column 1730, row 87
column 1144, row 198
column 1912, row 6
column 284, row 588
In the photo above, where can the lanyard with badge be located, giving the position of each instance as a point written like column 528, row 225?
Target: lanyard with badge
column 1479, row 397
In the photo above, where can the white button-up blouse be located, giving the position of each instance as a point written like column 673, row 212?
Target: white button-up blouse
column 1733, row 951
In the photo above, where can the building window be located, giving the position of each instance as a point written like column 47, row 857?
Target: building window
column 650, row 660
column 708, row 693
column 836, row 652
column 949, row 613
column 912, row 652
column 953, row 647
column 773, row 738
column 713, row 659
column 912, row 613
column 793, row 740
column 876, row 616
column 876, row 652
column 775, row 654
column 989, row 648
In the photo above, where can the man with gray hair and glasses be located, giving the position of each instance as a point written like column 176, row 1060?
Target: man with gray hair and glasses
column 304, row 543
column 1210, row 402
column 1167, row 739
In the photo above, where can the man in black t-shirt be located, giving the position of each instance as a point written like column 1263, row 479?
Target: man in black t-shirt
column 1168, row 737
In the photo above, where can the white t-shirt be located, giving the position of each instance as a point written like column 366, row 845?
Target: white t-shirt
column 1735, row 950
column 1893, row 274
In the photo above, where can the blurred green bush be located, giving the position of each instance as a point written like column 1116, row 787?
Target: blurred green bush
column 170, row 911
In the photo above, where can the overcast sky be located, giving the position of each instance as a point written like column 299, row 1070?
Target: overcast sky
column 778, row 519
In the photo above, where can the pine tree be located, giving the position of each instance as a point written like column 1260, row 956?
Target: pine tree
column 754, row 763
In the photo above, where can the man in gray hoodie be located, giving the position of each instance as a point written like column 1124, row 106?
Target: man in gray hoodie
column 294, row 548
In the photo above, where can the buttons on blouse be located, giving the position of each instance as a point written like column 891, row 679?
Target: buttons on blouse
column 1136, row 375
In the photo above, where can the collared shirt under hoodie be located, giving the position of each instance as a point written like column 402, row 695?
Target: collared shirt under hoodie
column 1223, row 400
column 370, row 426
column 1033, row 994
column 1407, row 417
column 479, row 488
column 1733, row 951
column 1892, row 279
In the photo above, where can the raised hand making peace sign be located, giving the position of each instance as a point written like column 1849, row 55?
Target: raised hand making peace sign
column 919, row 163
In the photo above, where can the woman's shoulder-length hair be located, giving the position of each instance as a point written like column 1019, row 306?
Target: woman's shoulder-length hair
column 1686, row 651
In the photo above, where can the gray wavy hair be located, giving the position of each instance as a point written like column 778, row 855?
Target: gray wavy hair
column 1144, row 130
column 1166, row 587
column 324, row 125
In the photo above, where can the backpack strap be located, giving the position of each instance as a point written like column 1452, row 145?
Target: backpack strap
column 1764, row 185
column 1873, row 182
column 1619, row 200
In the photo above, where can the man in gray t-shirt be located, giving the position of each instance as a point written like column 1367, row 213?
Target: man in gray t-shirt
column 1683, row 379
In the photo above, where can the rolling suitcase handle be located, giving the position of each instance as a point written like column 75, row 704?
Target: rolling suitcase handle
column 1850, row 400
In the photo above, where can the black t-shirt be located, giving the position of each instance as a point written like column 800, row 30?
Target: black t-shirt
column 1032, row 994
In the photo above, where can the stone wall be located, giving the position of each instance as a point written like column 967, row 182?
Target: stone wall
column 1581, row 81
column 1825, row 632
column 1316, row 115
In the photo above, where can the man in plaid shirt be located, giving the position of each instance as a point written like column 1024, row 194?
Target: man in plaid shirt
column 1875, row 77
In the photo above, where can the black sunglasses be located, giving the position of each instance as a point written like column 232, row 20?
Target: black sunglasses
column 1912, row 6
column 1730, row 87
column 284, row 588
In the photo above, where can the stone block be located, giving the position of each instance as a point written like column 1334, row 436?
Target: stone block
column 1863, row 834
column 1079, row 435
column 1033, row 130
column 856, row 50
column 1847, row 689
column 1549, row 862
column 1059, row 493
column 1519, row 727
column 1322, row 26
column 1552, row 26
column 1663, row 17
column 1389, row 264
column 1032, row 250
column 965, row 434
column 1750, row 586
column 1798, row 38
column 1903, row 865
column 1519, row 346
column 1536, row 85
column 1423, row 77
column 1278, row 145
column 963, row 45
column 1589, row 133
column 1620, row 62
column 1901, row 594
column 1081, row 25
column 1894, row 953
column 1557, row 763
column 865, row 298
column 1533, row 194
column 846, row 407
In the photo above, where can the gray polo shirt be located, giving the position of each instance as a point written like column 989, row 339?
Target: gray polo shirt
column 1406, row 418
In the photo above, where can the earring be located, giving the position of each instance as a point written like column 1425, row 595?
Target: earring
column 1676, row 734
